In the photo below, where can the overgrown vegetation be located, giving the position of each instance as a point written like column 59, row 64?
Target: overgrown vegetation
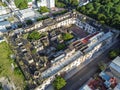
column 66, row 3
column 19, row 25
column 67, row 36
column 34, row 35
column 59, row 82
column 42, row 18
column 43, row 9
column 102, row 66
column 105, row 11
column 21, row 4
column 59, row 4
column 29, row 22
column 60, row 46
column 6, row 68
column 114, row 53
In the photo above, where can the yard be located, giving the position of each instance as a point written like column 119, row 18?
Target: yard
column 6, row 69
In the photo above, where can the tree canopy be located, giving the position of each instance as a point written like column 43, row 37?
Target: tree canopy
column 21, row 4
column 60, row 46
column 0, row 86
column 73, row 3
column 34, row 35
column 67, row 36
column 42, row 18
column 59, row 4
column 66, row 3
column 105, row 11
column 43, row 9
column 59, row 82
column 29, row 22
column 114, row 53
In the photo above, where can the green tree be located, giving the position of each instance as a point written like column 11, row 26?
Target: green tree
column 42, row 18
column 59, row 4
column 29, row 22
column 67, row 36
column 105, row 11
column 83, row 9
column 96, row 6
column 20, row 25
column 114, row 53
column 1, row 86
column 115, row 1
column 90, row 7
column 117, row 9
column 60, row 46
column 101, row 17
column 105, row 1
column 43, row 9
column 21, row 4
column 59, row 83
column 116, row 20
column 34, row 35
column 102, row 66
column 73, row 3
column 93, row 14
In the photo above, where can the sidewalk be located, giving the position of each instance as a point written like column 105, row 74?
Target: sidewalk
column 82, row 65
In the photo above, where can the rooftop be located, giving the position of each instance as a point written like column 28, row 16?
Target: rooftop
column 86, row 39
column 104, row 76
column 54, row 69
column 5, row 23
column 116, row 64
column 117, row 87
column 26, row 13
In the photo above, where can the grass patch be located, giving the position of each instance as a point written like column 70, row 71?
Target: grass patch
column 5, row 66
column 67, row 36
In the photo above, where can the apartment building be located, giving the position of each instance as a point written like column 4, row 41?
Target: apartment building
column 85, row 51
column 78, row 52
column 48, row 3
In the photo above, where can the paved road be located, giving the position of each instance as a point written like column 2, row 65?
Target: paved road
column 76, row 81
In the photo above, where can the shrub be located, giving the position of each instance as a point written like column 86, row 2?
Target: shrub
column 59, row 82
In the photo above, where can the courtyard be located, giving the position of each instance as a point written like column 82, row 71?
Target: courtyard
column 80, row 33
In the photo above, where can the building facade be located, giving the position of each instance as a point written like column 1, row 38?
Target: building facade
column 74, row 59
column 87, row 48
column 47, row 3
